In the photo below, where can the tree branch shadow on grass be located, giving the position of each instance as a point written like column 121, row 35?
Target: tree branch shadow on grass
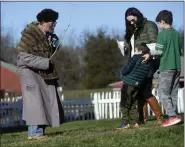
column 53, row 134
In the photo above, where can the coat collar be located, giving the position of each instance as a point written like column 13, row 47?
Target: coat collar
column 33, row 28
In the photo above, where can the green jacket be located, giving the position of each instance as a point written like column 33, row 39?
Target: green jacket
column 135, row 72
column 147, row 35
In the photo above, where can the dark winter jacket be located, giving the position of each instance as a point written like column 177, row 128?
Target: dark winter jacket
column 135, row 72
column 147, row 35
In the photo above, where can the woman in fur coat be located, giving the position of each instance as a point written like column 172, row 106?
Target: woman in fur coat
column 38, row 75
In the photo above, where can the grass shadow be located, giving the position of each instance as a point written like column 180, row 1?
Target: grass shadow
column 13, row 129
column 52, row 134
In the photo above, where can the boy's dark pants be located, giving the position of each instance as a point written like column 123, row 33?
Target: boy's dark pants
column 128, row 104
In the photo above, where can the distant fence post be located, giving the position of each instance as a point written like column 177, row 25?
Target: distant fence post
column 180, row 100
column 103, row 105
column 106, row 105
column 20, row 109
column 110, row 105
column 96, row 111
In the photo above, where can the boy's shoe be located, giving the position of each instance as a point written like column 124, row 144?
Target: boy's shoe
column 171, row 121
column 123, row 126
column 136, row 126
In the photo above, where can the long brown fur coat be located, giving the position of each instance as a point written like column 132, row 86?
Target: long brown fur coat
column 33, row 41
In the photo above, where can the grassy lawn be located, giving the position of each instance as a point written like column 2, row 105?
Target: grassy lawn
column 76, row 94
column 100, row 133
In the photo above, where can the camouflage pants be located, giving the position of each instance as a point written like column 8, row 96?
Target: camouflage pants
column 168, row 90
column 129, row 112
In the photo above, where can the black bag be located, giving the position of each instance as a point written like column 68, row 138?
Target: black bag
column 156, row 62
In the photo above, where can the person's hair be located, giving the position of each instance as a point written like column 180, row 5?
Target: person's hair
column 47, row 15
column 130, row 28
column 143, row 47
column 166, row 16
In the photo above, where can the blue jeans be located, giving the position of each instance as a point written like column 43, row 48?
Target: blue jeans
column 36, row 130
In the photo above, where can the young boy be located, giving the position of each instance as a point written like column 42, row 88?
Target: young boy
column 133, row 76
column 168, row 45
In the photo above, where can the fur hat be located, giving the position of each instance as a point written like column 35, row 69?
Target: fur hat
column 47, row 15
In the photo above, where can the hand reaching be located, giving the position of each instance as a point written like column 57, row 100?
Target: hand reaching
column 55, row 40
column 146, row 57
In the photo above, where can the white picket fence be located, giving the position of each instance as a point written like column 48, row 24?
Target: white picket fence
column 105, row 105
column 101, row 105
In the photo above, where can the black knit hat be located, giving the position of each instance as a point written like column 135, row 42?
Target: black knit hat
column 47, row 15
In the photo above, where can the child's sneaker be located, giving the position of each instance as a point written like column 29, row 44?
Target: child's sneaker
column 136, row 126
column 171, row 121
column 123, row 126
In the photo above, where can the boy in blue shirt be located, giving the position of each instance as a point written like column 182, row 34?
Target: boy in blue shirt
column 133, row 75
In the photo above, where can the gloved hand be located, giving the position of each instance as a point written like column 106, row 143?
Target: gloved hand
column 55, row 40
column 51, row 66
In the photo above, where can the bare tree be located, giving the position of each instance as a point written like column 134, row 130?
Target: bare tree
column 8, row 48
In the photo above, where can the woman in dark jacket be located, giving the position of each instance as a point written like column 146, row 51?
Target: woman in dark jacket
column 139, row 29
